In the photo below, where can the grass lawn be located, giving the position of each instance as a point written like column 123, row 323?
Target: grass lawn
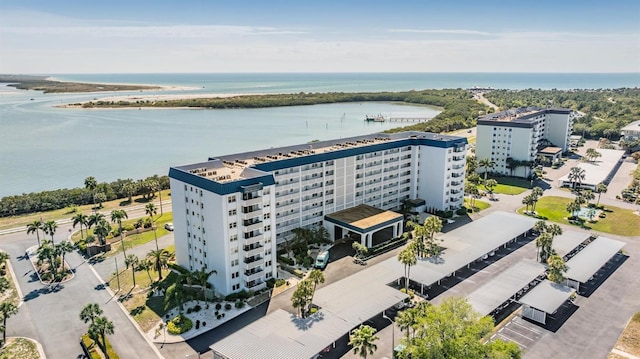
column 95, row 351
column 508, row 185
column 478, row 205
column 629, row 340
column 619, row 221
column 23, row 220
column 132, row 240
column 146, row 311
column 19, row 348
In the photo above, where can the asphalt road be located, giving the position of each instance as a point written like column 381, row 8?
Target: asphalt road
column 50, row 315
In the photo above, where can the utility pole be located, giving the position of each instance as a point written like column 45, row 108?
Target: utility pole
column 117, row 273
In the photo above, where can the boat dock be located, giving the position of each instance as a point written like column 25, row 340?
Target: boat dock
column 380, row 118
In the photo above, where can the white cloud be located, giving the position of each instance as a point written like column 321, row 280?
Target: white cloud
column 441, row 31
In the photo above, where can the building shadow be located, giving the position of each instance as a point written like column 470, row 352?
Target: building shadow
column 556, row 321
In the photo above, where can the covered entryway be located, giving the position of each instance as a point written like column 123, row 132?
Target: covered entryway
column 368, row 224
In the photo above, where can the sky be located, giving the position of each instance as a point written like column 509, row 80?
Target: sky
column 158, row 36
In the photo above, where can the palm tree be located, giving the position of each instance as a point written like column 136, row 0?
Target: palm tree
column 35, row 226
column 175, row 294
column 406, row 319
column 489, row 185
column 132, row 260
column 7, row 309
column 536, row 193
column 102, row 231
column 408, row 258
column 91, row 184
column 94, row 219
column 486, row 163
column 302, row 296
column 82, row 220
column 316, row 277
column 528, row 201
column 117, row 215
column 554, row 230
column 202, row 277
column 573, row 207
column 90, row 312
column 146, row 265
column 557, row 268
column 150, row 210
column 159, row 258
column 64, row 247
column 50, row 227
column 588, row 196
column 575, row 176
column 600, row 189
column 99, row 329
column 540, row 226
column 362, row 339
column 543, row 243
column 46, row 253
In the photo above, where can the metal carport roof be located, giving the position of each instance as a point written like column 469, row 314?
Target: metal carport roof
column 568, row 241
column 547, row 296
column 589, row 260
column 504, row 285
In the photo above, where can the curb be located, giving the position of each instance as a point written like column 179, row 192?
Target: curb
column 38, row 346
column 15, row 283
column 126, row 313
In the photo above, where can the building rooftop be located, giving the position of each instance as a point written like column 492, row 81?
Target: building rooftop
column 550, row 150
column 363, row 217
column 568, row 241
column 521, row 115
column 633, row 126
column 589, row 260
column 547, row 296
column 598, row 170
column 234, row 167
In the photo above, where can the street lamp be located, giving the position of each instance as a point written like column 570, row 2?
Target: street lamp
column 393, row 336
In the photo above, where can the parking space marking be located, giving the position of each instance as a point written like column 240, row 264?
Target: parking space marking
column 512, row 340
column 528, row 328
column 520, row 334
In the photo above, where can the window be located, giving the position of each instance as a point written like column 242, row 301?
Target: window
column 234, row 237
column 235, row 287
column 233, row 225
column 231, row 199
column 234, row 250
column 232, row 212
column 267, row 215
column 267, row 227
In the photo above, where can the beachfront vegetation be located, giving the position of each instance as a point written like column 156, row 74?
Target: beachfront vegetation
column 606, row 111
column 71, row 198
column 459, row 109
column 40, row 83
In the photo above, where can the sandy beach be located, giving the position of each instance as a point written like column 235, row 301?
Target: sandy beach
column 155, row 98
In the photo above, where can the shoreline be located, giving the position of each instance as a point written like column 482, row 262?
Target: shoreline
column 155, row 98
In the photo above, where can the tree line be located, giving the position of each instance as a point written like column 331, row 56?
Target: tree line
column 101, row 192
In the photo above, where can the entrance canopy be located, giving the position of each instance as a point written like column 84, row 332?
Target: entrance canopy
column 589, row 260
column 366, row 220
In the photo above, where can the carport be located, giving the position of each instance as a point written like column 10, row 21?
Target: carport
column 589, row 260
column 543, row 299
column 568, row 241
column 364, row 221
column 505, row 286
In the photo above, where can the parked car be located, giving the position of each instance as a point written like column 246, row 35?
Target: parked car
column 169, row 227
column 321, row 260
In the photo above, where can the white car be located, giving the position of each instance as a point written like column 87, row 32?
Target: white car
column 169, row 227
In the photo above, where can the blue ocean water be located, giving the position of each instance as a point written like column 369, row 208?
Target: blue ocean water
column 43, row 147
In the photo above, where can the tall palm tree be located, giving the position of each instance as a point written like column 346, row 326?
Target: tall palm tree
column 588, row 196
column 94, row 219
column 64, row 247
column 408, row 258
column 35, row 226
column 102, row 231
column 90, row 312
column 557, row 268
column 50, row 227
column 159, row 258
column 489, row 185
column 100, row 328
column 7, row 309
column 363, row 340
column 91, row 184
column 576, row 175
column 202, row 277
column 146, row 265
column 316, row 277
column 46, row 253
column 150, row 210
column 486, row 163
column 302, row 296
column 117, row 215
column 543, row 243
column 132, row 260
column 600, row 189
column 573, row 207
column 80, row 219
column 536, row 193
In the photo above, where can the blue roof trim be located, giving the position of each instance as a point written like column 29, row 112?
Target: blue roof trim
column 360, row 150
column 368, row 229
column 217, row 187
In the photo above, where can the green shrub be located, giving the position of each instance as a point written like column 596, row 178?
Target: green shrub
column 461, row 211
column 179, row 324
column 239, row 304
column 271, row 283
column 280, row 282
column 243, row 294
column 227, row 306
column 286, row 260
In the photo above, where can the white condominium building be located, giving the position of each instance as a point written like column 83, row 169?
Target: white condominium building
column 230, row 211
column 513, row 138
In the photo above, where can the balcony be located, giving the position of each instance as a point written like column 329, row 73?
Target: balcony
column 253, row 235
column 252, row 262
column 252, row 201
column 457, row 167
column 253, row 249
column 253, row 274
column 458, row 158
column 253, row 284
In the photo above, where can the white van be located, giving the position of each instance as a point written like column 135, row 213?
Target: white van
column 321, row 260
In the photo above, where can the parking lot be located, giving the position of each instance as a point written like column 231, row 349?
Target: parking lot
column 521, row 332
